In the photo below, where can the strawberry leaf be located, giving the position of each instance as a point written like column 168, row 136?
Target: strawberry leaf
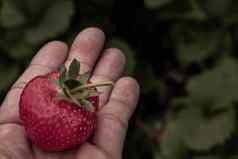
column 203, row 133
column 82, row 95
column 53, row 22
column 87, row 105
column 71, row 97
column 216, row 87
column 72, row 83
column 171, row 144
column 61, row 96
column 74, row 69
column 62, row 77
column 218, row 8
column 194, row 44
column 234, row 157
column 35, row 7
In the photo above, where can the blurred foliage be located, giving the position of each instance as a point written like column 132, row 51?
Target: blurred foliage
column 183, row 53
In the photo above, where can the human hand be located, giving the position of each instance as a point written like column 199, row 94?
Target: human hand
column 116, row 104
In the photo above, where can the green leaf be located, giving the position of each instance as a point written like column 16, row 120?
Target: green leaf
column 231, row 15
column 36, row 7
column 171, row 145
column 182, row 10
column 195, row 45
column 70, row 96
column 216, row 87
column 74, row 69
column 207, row 157
column 197, row 12
column 72, row 83
column 82, row 95
column 158, row 155
column 234, row 157
column 63, row 97
column 84, row 103
column 87, row 105
column 62, row 77
column 11, row 16
column 156, row 4
column 217, row 8
column 128, row 51
column 54, row 22
column 202, row 132
column 210, row 92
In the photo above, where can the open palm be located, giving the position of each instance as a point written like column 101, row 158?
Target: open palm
column 116, row 105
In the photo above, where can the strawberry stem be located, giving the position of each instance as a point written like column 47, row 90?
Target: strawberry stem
column 92, row 85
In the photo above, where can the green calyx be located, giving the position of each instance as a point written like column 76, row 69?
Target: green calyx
column 76, row 88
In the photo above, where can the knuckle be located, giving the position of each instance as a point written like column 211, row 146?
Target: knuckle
column 115, row 119
column 124, row 104
column 102, row 77
column 4, row 154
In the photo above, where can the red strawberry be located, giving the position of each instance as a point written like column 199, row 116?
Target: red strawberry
column 58, row 111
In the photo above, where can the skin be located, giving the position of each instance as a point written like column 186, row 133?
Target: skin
column 117, row 104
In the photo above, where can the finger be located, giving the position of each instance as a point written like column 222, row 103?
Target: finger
column 109, row 67
column 113, row 117
column 89, row 151
column 13, row 142
column 49, row 58
column 44, row 62
column 86, row 48
column 41, row 154
column 66, row 154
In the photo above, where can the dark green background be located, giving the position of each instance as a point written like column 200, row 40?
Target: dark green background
column 182, row 52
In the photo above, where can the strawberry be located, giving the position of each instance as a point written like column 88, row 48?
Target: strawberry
column 58, row 110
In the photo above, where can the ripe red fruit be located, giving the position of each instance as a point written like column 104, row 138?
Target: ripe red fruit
column 58, row 111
